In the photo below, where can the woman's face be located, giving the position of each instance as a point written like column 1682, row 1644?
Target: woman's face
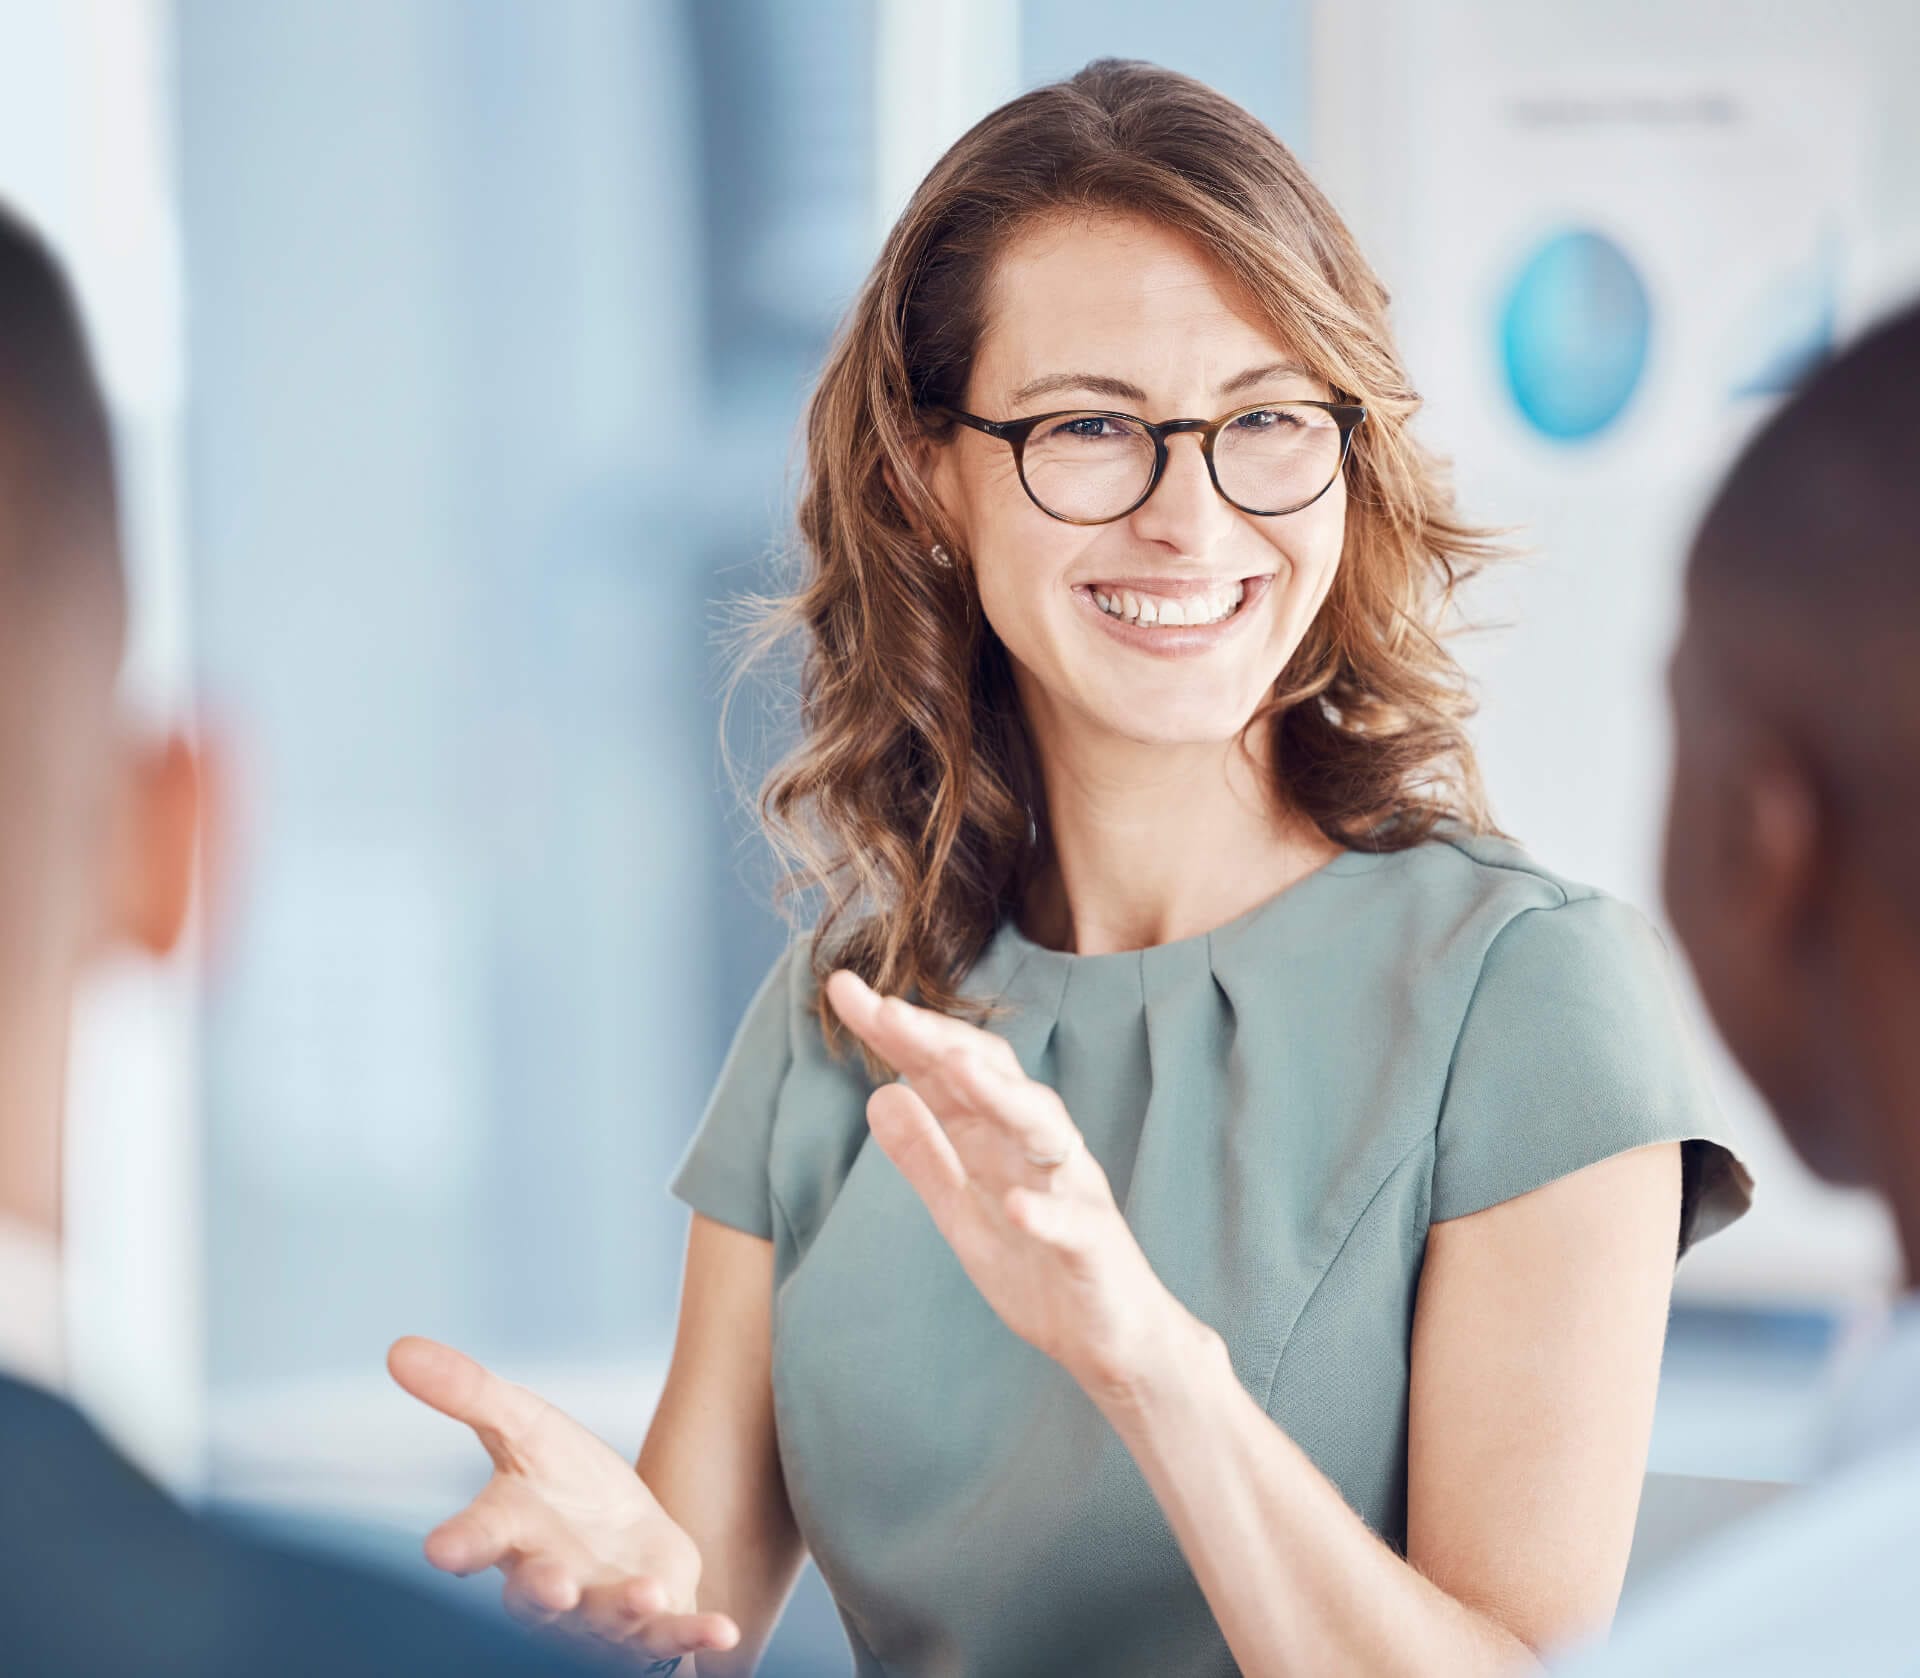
column 1121, row 314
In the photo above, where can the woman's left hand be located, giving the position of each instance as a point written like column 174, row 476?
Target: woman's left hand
column 1044, row 1243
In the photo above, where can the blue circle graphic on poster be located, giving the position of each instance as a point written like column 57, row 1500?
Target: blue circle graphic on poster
column 1573, row 334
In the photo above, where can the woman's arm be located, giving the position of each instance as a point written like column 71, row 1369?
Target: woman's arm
column 1536, row 1352
column 710, row 1455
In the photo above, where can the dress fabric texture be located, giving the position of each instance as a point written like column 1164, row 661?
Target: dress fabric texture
column 1283, row 1106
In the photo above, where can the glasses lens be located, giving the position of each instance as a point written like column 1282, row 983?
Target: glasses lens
column 1088, row 466
column 1273, row 460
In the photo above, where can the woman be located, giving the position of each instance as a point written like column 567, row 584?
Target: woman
column 1252, row 1244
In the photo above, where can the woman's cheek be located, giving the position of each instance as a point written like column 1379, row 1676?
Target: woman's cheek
column 1317, row 558
column 1023, row 589
column 1012, row 611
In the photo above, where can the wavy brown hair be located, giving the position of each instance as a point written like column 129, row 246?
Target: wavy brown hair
column 913, row 799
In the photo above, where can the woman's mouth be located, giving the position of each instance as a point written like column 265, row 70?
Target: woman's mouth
column 1190, row 621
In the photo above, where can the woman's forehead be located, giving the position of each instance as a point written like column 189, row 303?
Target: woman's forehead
column 1126, row 300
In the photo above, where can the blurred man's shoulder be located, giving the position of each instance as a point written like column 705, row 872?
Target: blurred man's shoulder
column 104, row 1573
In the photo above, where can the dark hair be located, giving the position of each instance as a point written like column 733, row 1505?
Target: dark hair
column 1805, row 590
column 56, row 452
column 1822, row 509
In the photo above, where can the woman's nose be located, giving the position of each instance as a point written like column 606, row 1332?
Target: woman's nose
column 1185, row 511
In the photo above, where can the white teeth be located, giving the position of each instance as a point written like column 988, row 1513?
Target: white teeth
column 1195, row 609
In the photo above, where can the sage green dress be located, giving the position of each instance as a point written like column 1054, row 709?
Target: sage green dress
column 1284, row 1106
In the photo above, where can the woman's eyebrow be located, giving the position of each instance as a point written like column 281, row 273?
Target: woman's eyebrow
column 1100, row 384
column 1259, row 376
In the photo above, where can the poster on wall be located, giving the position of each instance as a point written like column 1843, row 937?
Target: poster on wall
column 1645, row 260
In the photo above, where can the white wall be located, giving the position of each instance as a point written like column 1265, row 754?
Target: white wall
column 1415, row 138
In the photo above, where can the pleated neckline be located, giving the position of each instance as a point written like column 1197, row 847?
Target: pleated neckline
column 1030, row 957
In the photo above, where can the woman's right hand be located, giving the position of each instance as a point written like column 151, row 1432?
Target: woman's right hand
column 584, row 1545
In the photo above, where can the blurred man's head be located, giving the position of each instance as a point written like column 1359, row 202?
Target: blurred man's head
column 1793, row 840
column 96, row 828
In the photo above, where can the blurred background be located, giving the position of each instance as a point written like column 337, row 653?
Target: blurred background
column 457, row 349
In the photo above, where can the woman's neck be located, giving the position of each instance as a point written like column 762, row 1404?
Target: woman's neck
column 1149, row 844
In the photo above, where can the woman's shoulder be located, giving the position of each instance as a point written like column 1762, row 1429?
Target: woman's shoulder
column 781, row 1019
column 1571, row 1040
column 1465, row 893
column 1486, row 868
column 784, row 1117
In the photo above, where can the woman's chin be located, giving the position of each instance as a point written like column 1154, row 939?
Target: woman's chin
column 1149, row 703
column 1180, row 728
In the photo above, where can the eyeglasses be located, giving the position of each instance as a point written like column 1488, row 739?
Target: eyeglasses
column 1088, row 466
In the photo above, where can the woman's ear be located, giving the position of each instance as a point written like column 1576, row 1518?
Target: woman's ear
column 926, row 456
column 900, row 500
column 155, row 845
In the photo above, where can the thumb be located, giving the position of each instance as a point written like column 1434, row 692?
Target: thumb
column 502, row 1414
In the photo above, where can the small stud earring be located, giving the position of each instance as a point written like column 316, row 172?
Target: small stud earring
column 939, row 555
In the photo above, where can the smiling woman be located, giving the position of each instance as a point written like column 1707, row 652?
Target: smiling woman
column 1216, row 278
column 1198, row 1200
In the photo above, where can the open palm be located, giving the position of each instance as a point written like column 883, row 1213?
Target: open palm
column 583, row 1544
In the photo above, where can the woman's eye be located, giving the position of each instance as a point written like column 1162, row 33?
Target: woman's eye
column 1266, row 419
column 1088, row 425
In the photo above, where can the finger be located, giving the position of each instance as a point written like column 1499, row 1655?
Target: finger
column 933, row 1048
column 521, row 1614
column 903, row 1035
column 1028, row 1114
column 909, row 1135
column 477, row 1538
column 457, row 1386
column 547, row 1585
column 526, row 1591
column 615, row 1612
column 665, row 1635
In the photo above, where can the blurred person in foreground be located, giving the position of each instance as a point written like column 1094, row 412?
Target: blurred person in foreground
column 1793, row 877
column 100, row 1572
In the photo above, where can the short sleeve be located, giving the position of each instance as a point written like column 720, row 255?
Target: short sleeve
column 1574, row 1048
column 723, row 1172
